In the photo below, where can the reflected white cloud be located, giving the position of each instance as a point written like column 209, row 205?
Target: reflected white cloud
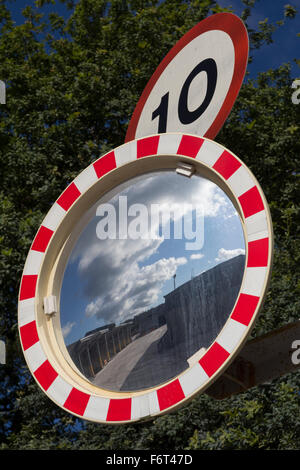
column 118, row 277
column 133, row 290
column 66, row 329
column 224, row 254
column 197, row 256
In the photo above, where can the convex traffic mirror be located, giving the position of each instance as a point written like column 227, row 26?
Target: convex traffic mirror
column 151, row 280
column 145, row 278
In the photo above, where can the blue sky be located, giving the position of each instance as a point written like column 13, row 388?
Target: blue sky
column 17, row 6
column 286, row 42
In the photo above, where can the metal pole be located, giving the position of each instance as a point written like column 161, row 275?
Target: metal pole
column 108, row 355
column 261, row 360
column 90, row 361
column 99, row 354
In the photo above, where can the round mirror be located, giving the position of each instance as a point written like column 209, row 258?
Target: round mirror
column 145, row 278
column 151, row 280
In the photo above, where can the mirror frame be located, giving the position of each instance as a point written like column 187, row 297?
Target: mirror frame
column 40, row 333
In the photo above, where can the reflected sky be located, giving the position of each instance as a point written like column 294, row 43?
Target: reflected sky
column 112, row 280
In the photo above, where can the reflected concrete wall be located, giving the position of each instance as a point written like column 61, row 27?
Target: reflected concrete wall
column 197, row 310
column 150, row 320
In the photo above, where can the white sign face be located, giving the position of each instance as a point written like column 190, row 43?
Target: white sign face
column 195, row 86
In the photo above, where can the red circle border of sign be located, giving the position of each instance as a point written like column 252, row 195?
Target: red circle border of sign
column 234, row 27
column 164, row 397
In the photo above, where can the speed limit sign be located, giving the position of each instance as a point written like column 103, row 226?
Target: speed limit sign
column 195, row 86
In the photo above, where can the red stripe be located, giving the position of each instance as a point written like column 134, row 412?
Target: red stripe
column 77, row 401
column 245, row 308
column 29, row 335
column 69, row 196
column 45, row 375
column 258, row 251
column 28, row 285
column 105, row 164
column 147, row 146
column 213, row 359
column 226, row 164
column 170, row 395
column 251, row 202
column 189, row 146
column 42, row 239
column 119, row 409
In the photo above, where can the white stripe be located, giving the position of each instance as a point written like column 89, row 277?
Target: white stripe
column 153, row 403
column 168, row 144
column 85, row 179
column 256, row 223
column 140, row 406
column 126, row 153
column 231, row 335
column 26, row 312
column 54, row 217
column 97, row 408
column 33, row 262
column 59, row 390
column 241, row 181
column 209, row 152
column 193, row 379
column 258, row 236
column 254, row 281
column 35, row 356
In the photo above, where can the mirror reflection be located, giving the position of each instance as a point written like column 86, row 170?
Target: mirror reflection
column 151, row 280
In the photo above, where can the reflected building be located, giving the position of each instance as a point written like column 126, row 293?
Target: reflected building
column 91, row 353
column 156, row 345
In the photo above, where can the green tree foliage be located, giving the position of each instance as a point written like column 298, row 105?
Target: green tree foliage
column 72, row 86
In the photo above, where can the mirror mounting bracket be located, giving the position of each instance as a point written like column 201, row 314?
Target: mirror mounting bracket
column 185, row 169
column 50, row 305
